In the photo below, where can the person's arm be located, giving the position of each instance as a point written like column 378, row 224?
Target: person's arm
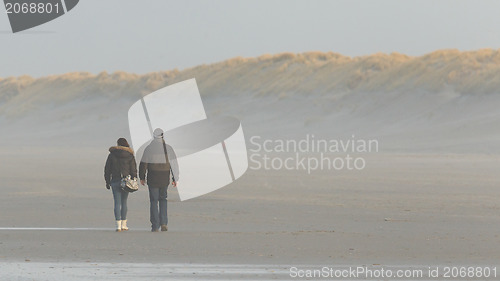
column 107, row 171
column 174, row 166
column 142, row 171
column 133, row 168
column 143, row 166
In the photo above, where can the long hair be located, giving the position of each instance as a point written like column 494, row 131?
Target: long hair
column 122, row 142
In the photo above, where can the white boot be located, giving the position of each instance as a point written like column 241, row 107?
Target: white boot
column 124, row 225
column 118, row 225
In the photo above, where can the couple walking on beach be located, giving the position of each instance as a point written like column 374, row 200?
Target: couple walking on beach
column 158, row 163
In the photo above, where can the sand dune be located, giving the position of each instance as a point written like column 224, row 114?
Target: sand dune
column 445, row 100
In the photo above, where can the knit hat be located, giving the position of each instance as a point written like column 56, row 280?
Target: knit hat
column 158, row 133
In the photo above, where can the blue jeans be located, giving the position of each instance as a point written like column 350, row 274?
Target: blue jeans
column 157, row 216
column 120, row 198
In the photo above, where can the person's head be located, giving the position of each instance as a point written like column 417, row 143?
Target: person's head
column 158, row 133
column 122, row 142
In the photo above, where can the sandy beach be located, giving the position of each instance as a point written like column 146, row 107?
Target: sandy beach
column 407, row 210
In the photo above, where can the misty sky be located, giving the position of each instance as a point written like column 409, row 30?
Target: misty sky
column 144, row 36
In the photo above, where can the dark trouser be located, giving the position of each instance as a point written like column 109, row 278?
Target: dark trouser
column 158, row 217
column 120, row 198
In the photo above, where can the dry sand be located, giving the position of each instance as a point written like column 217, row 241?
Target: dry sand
column 401, row 210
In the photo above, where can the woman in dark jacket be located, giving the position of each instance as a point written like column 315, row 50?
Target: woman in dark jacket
column 120, row 163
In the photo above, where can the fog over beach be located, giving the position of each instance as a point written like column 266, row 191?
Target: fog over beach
column 426, row 127
column 442, row 101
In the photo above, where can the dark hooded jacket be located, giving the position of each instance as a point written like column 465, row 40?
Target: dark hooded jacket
column 120, row 162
